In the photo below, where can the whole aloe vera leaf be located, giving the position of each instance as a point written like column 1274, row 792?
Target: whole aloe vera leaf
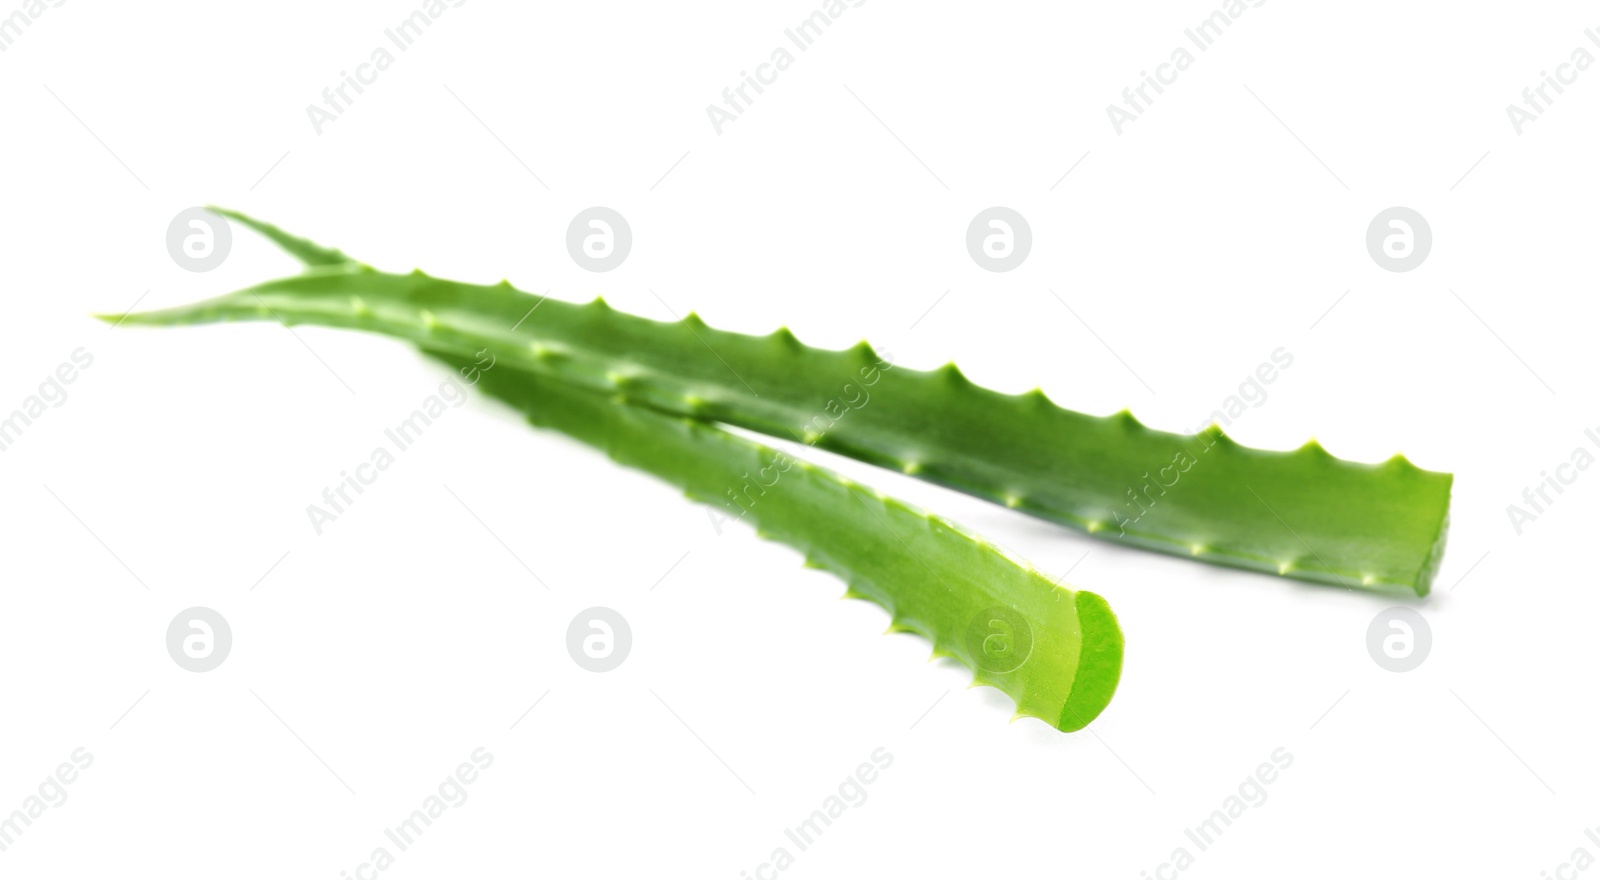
column 1055, row 651
column 1303, row 514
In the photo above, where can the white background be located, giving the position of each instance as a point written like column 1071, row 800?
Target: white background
column 371, row 660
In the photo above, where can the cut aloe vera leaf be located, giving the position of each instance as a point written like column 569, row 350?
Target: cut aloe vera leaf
column 1303, row 514
column 1056, row 652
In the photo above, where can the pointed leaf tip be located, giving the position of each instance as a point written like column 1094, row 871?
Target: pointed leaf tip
column 306, row 251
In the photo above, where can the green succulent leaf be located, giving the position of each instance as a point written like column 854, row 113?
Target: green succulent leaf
column 1056, row 652
column 304, row 250
column 1303, row 514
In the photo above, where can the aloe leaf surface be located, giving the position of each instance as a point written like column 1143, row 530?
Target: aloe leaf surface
column 1303, row 514
column 302, row 249
column 1056, row 652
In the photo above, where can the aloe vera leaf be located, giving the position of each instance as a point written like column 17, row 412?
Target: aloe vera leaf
column 1303, row 514
column 1055, row 651
column 305, row 250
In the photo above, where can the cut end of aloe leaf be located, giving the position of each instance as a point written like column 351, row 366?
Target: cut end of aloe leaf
column 1099, row 664
column 1430, row 568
